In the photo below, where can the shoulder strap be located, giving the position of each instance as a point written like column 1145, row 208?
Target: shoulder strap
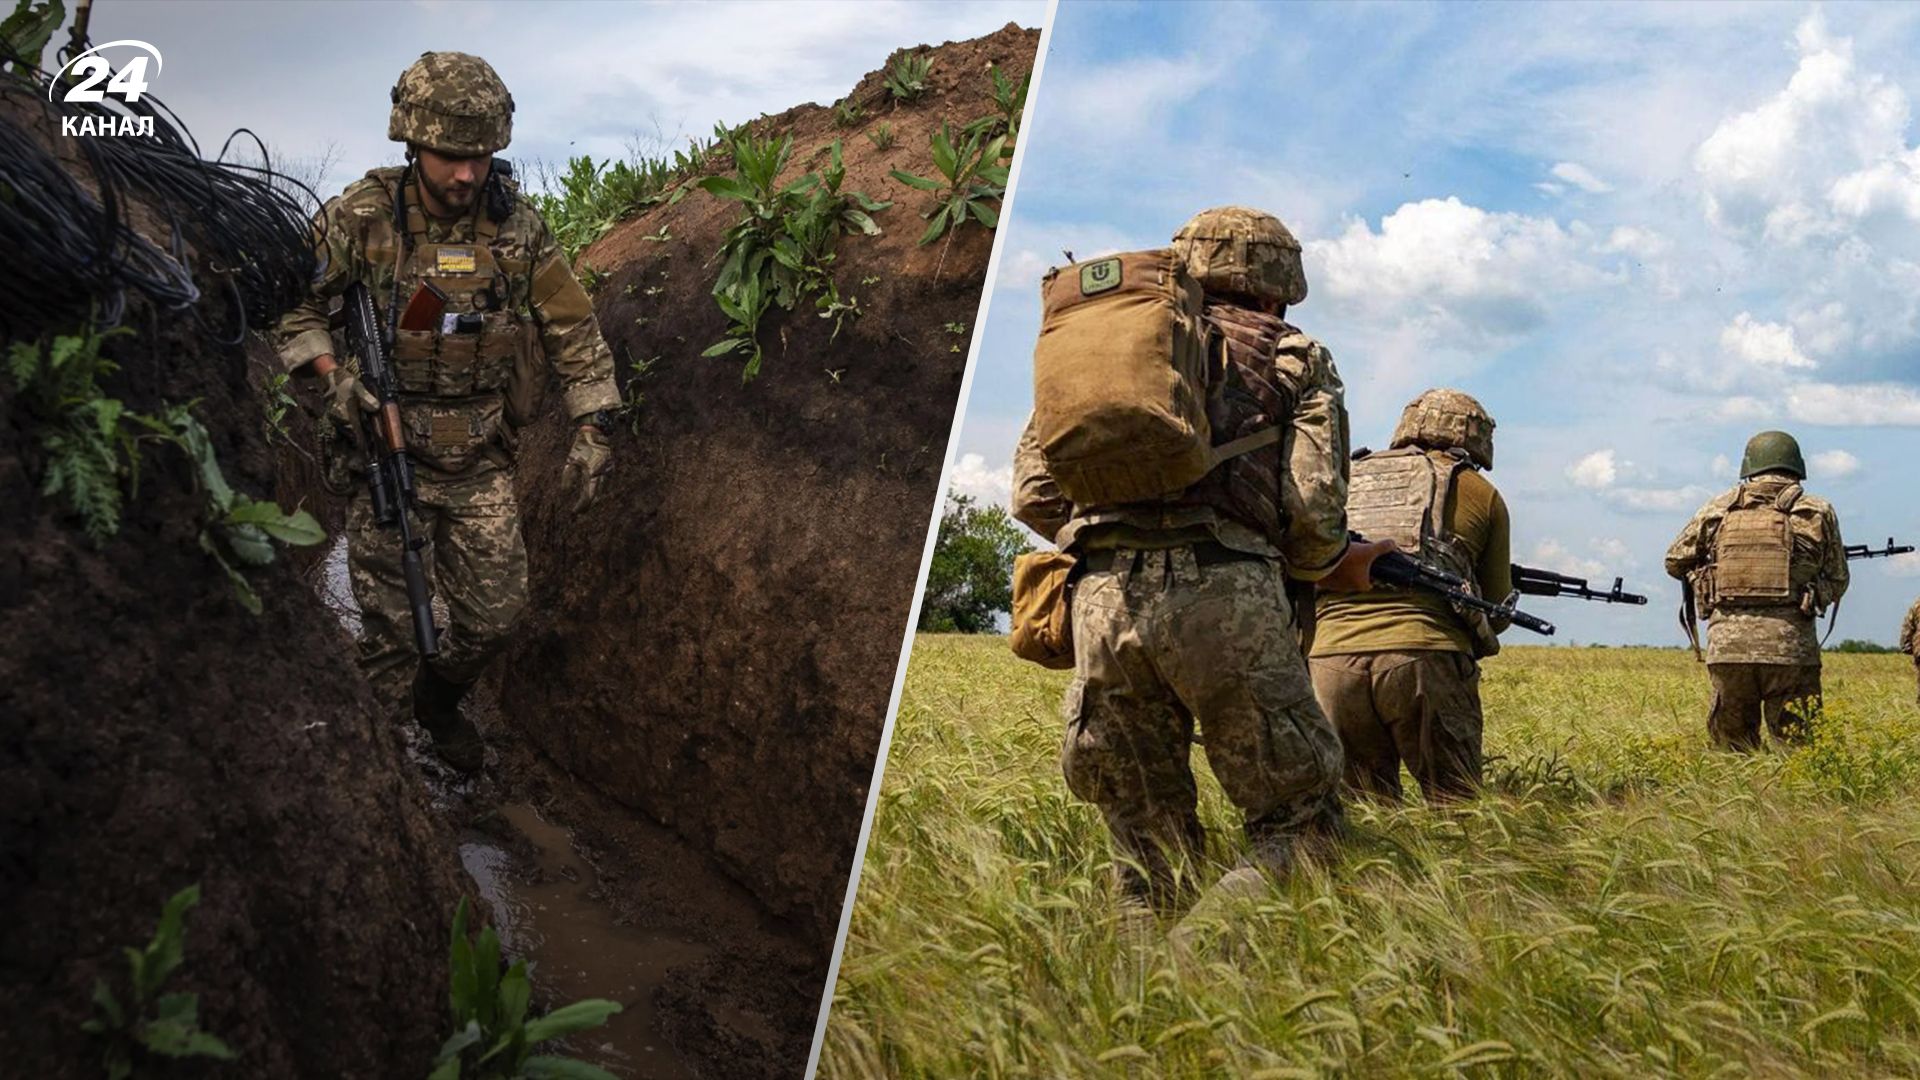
column 1246, row 444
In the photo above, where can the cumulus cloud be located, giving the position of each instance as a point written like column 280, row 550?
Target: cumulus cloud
column 1581, row 177
column 1596, row 471
column 1776, row 171
column 1762, row 344
column 1124, row 100
column 1452, row 269
column 1553, row 555
column 1833, row 464
column 1637, row 241
column 988, row 484
column 1904, row 565
column 1722, row 466
column 1855, row 405
column 1658, row 500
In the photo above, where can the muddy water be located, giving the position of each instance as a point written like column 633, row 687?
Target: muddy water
column 549, row 914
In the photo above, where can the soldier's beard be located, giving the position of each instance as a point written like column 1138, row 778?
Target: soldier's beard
column 455, row 198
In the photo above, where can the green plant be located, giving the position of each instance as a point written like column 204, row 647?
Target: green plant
column 591, row 278
column 631, row 396
column 970, row 178
column 970, row 580
column 147, row 1021
column 782, row 248
column 493, row 1039
column 1011, row 101
column 591, row 198
column 882, row 137
column 846, row 113
column 25, row 33
column 907, row 76
column 277, row 405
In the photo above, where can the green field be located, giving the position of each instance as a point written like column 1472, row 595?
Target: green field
column 1623, row 901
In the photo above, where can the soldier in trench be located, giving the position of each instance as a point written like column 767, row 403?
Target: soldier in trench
column 450, row 220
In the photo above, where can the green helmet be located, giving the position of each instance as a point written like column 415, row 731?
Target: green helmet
column 452, row 103
column 1236, row 251
column 1447, row 420
column 1773, row 451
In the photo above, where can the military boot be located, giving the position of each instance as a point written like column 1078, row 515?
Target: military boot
column 436, row 705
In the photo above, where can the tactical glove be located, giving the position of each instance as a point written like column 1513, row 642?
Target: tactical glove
column 588, row 461
column 344, row 391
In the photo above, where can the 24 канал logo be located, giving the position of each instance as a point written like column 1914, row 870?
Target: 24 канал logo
column 84, row 87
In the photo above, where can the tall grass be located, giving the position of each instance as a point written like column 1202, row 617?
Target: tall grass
column 1623, row 901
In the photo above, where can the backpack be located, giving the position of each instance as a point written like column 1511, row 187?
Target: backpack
column 1120, row 381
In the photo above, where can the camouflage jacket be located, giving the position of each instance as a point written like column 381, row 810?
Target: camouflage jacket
column 1910, row 632
column 1313, row 484
column 1783, row 634
column 536, row 295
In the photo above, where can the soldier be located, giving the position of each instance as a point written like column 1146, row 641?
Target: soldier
column 1181, row 612
column 1397, row 670
column 1763, row 561
column 450, row 219
column 1910, row 637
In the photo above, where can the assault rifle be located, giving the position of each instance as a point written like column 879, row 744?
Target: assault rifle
column 1402, row 569
column 389, row 468
column 1547, row 583
column 1862, row 551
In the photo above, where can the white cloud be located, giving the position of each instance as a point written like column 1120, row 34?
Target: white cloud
column 1657, row 499
column 973, row 476
column 1122, row 101
column 1762, row 344
column 1722, row 466
column 1855, row 405
column 1636, row 240
column 1904, row 565
column 1581, row 177
column 1833, row 464
column 1774, row 170
column 1596, row 471
column 1452, row 270
column 1553, row 555
column 1741, row 409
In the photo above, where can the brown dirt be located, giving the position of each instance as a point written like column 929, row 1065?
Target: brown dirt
column 153, row 734
column 713, row 644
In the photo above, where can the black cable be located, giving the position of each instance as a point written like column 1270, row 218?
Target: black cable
column 238, row 232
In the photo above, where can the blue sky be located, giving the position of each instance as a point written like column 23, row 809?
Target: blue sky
column 596, row 78
column 1638, row 233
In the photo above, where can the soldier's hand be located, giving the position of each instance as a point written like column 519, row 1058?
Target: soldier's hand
column 345, row 392
column 587, row 462
column 1354, row 571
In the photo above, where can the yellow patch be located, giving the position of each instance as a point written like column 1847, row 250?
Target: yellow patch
column 453, row 260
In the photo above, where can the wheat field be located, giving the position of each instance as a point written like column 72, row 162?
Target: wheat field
column 1622, row 901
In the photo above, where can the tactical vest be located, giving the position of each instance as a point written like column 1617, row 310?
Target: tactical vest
column 453, row 376
column 1752, row 552
column 1403, row 495
column 1246, row 396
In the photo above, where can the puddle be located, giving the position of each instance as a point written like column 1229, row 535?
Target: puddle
column 575, row 945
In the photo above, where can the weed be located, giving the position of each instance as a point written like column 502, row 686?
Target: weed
column 882, row 137
column 846, row 113
column 146, row 1021
column 870, row 280
column 970, row 178
column 277, row 405
column 592, row 198
column 631, row 396
column 956, row 328
column 591, row 278
column 782, row 249
column 907, row 76
column 1011, row 101
column 493, row 1039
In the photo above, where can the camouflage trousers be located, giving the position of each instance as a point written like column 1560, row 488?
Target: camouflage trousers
column 476, row 563
column 1783, row 696
column 1420, row 707
column 1160, row 641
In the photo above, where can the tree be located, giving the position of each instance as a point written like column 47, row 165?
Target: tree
column 971, row 579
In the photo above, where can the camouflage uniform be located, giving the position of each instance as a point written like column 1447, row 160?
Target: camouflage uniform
column 1397, row 669
column 1181, row 614
column 510, row 279
column 1910, row 638
column 1763, row 659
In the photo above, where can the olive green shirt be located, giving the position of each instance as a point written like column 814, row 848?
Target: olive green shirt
column 1406, row 620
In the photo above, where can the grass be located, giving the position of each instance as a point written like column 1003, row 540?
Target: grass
column 1623, row 901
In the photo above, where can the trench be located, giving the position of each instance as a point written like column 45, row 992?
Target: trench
column 603, row 902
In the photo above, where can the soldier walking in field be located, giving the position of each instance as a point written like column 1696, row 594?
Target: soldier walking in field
column 1180, row 613
column 1397, row 669
column 1763, row 562
column 447, row 228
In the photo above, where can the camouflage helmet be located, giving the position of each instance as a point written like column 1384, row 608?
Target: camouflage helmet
column 452, row 103
column 1773, row 450
column 1238, row 251
column 1447, row 420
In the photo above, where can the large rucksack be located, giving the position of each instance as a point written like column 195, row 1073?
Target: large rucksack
column 1120, row 381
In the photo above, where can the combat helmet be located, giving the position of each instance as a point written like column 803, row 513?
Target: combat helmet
column 1239, row 251
column 1773, row 450
column 1444, row 419
column 452, row 103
